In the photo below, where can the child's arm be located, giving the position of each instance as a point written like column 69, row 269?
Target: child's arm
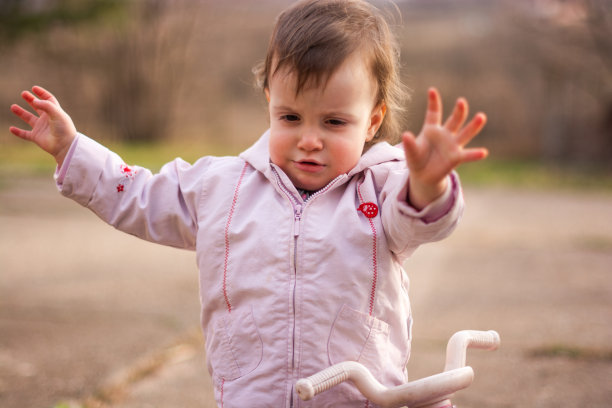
column 439, row 149
column 52, row 130
column 160, row 208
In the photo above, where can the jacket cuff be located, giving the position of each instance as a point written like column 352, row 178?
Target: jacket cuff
column 60, row 172
column 78, row 177
column 437, row 209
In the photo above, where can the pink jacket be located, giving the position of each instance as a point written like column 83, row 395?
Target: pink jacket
column 287, row 287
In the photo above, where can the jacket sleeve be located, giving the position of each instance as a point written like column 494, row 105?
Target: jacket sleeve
column 406, row 227
column 160, row 208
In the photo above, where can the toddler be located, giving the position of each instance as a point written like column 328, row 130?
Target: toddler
column 300, row 239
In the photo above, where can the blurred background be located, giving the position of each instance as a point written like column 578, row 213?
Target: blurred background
column 156, row 79
column 179, row 71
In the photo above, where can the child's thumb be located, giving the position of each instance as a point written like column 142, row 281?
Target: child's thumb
column 51, row 109
column 410, row 146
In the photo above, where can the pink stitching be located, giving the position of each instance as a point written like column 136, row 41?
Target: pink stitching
column 374, row 255
column 374, row 266
column 227, row 243
column 222, row 384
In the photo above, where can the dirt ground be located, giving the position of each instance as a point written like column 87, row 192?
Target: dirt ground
column 88, row 314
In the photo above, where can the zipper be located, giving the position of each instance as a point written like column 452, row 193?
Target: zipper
column 297, row 217
column 298, row 207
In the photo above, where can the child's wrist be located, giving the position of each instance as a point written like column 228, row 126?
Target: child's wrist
column 60, row 156
column 420, row 195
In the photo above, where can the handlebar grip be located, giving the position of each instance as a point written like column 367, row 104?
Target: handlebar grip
column 307, row 388
column 486, row 340
column 458, row 344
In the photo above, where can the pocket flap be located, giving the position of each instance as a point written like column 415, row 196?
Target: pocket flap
column 234, row 346
column 356, row 336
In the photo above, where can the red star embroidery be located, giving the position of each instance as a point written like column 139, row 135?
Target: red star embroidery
column 120, row 188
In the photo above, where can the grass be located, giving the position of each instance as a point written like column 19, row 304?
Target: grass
column 536, row 175
column 570, row 352
column 22, row 159
column 595, row 243
column 154, row 155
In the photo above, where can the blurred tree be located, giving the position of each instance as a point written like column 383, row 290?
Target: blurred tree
column 600, row 26
column 129, row 54
column 144, row 66
column 599, row 13
column 21, row 17
column 569, row 82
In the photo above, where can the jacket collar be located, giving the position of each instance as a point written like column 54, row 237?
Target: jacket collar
column 258, row 156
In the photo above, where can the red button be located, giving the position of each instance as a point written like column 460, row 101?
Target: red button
column 370, row 210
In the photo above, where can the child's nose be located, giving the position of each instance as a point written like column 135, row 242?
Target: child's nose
column 310, row 140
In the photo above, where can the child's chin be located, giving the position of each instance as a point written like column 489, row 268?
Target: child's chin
column 310, row 186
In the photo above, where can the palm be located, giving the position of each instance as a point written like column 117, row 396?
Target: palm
column 52, row 129
column 41, row 132
column 436, row 155
column 440, row 148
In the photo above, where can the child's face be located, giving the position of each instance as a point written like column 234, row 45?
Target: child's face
column 320, row 133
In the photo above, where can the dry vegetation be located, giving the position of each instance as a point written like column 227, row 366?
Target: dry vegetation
column 181, row 70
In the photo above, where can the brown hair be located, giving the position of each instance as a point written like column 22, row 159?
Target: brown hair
column 312, row 38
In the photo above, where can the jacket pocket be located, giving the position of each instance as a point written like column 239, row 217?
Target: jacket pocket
column 234, row 347
column 356, row 336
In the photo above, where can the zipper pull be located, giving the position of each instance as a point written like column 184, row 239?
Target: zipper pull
column 297, row 218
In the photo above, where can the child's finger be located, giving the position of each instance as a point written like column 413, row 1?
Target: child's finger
column 30, row 99
column 434, row 107
column 24, row 115
column 411, row 148
column 472, row 155
column 42, row 93
column 24, row 134
column 41, row 106
column 471, row 129
column 458, row 117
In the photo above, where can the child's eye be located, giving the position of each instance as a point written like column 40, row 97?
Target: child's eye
column 290, row 118
column 336, row 122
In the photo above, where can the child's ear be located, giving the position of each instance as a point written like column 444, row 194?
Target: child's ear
column 267, row 92
column 376, row 119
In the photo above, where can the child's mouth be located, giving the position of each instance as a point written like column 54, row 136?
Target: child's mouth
column 308, row 165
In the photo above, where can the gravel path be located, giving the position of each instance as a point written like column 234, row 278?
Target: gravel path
column 90, row 314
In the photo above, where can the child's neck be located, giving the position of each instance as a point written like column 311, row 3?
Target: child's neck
column 305, row 194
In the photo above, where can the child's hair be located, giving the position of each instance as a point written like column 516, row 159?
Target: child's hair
column 312, row 38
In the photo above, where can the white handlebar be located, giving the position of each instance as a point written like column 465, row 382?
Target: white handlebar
column 410, row 394
column 429, row 391
column 459, row 342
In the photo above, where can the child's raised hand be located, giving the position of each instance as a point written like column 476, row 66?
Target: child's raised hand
column 52, row 130
column 440, row 148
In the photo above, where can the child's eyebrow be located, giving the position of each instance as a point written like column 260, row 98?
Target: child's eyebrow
column 339, row 113
column 282, row 107
column 326, row 113
column 344, row 117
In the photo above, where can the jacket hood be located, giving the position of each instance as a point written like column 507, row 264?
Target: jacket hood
column 258, row 156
